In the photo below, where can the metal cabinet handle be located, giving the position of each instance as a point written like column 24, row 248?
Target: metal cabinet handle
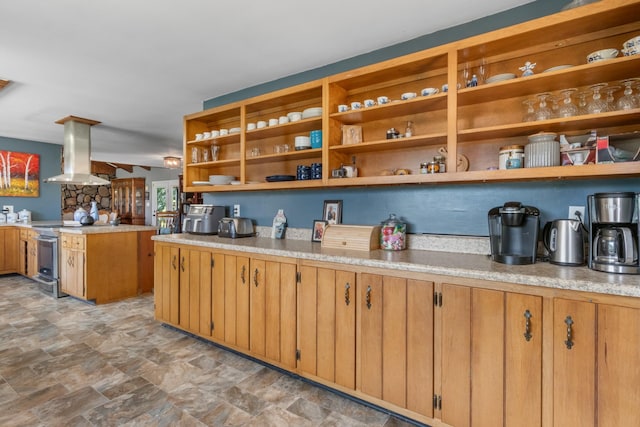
column 255, row 278
column 173, row 262
column 569, row 342
column 347, row 300
column 182, row 264
column 244, row 268
column 527, row 325
column 368, row 297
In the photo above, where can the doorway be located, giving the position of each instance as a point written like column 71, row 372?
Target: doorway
column 164, row 197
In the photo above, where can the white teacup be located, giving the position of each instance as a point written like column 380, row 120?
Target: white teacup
column 429, row 91
column 294, row 117
column 224, row 132
column 342, row 108
column 408, row 95
column 273, row 122
column 369, row 102
column 261, row 124
column 198, row 136
column 355, row 105
column 283, row 119
column 206, row 135
column 251, row 126
column 215, row 133
column 383, row 100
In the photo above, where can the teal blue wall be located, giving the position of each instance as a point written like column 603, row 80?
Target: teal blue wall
column 48, row 205
column 439, row 209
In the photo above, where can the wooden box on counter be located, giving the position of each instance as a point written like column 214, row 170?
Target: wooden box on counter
column 356, row 237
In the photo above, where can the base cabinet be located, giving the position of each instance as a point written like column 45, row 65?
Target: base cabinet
column 395, row 341
column 327, row 325
column 72, row 265
column 491, row 372
column 9, row 260
column 28, row 253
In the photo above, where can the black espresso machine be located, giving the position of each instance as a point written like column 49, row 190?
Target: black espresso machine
column 203, row 219
column 513, row 232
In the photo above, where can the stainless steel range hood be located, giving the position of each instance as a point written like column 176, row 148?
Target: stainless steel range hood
column 77, row 152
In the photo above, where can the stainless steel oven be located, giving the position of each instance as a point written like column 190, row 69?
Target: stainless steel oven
column 48, row 262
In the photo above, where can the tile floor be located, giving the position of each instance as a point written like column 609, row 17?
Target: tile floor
column 68, row 363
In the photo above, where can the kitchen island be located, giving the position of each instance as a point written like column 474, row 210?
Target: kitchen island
column 441, row 337
column 104, row 263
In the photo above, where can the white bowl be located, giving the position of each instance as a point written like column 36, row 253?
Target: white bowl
column 601, row 55
column 294, row 116
column 234, row 130
column 312, row 112
column 408, row 95
column 634, row 42
column 221, row 179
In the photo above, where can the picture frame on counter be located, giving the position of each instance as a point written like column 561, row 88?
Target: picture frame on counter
column 332, row 212
column 317, row 231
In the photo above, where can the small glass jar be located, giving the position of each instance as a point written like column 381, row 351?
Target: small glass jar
column 433, row 167
column 195, row 154
column 423, row 167
column 441, row 162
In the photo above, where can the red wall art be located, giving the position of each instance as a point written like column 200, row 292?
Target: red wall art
column 19, row 174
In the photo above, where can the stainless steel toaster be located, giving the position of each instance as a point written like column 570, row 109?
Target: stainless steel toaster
column 235, row 227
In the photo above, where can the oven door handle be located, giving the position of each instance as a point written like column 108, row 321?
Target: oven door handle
column 47, row 239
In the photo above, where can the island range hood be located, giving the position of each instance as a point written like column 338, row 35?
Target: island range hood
column 76, row 153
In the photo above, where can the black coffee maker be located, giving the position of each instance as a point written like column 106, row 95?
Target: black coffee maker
column 513, row 231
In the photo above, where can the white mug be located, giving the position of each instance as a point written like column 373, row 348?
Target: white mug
column 273, row 122
column 251, row 126
column 408, row 95
column 383, row 100
column 295, row 117
column 369, row 102
column 198, row 136
column 215, row 133
column 224, row 132
column 283, row 119
column 356, row 105
column 206, row 135
column 429, row 91
column 342, row 108
column 261, row 124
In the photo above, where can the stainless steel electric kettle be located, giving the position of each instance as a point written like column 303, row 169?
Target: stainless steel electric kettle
column 565, row 240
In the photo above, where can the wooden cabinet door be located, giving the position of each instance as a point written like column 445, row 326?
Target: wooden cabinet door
column 326, row 324
column 574, row 361
column 218, row 298
column 272, row 318
column 523, row 360
column 618, row 372
column 72, row 272
column 243, row 294
column 9, row 261
column 32, row 254
column 167, row 283
column 23, row 256
column 396, row 341
column 491, row 373
column 195, row 290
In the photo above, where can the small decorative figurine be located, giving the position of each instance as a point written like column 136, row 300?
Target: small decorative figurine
column 527, row 69
column 474, row 81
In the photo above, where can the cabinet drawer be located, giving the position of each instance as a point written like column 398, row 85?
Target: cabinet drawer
column 72, row 242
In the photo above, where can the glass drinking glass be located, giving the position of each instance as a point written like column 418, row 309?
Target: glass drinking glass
column 554, row 106
column 568, row 108
column 627, row 101
column 544, row 112
column 529, row 112
column 596, row 104
column 582, row 102
column 608, row 91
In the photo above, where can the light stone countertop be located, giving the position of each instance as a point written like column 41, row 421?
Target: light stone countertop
column 466, row 265
column 91, row 229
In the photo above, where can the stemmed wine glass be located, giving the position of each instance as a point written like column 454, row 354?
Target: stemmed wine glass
column 597, row 104
column 611, row 105
column 530, row 112
column 544, row 112
column 568, row 108
column 627, row 101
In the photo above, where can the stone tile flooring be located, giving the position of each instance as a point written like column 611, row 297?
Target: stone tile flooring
column 68, row 363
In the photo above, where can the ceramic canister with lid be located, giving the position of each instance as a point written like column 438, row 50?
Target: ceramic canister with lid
column 511, row 157
column 542, row 151
column 393, row 234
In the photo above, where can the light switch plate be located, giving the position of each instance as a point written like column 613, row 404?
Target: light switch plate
column 573, row 210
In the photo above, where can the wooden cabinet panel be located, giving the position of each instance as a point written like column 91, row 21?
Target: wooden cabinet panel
column 394, row 339
column 523, row 360
column 574, row 362
column 420, row 347
column 243, row 311
column 167, row 283
column 288, row 314
column 218, row 301
column 326, row 324
column 370, row 297
column 257, row 308
column 9, row 261
column 618, row 368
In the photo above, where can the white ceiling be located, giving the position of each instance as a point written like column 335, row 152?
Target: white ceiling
column 140, row 66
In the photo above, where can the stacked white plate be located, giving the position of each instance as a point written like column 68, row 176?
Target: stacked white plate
column 501, row 77
column 312, row 112
column 556, row 68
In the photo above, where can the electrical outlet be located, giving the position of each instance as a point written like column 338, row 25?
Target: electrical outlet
column 236, row 210
column 576, row 212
